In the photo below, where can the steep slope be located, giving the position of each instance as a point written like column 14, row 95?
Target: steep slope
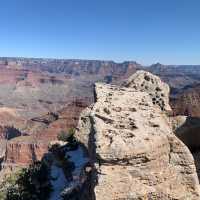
column 133, row 148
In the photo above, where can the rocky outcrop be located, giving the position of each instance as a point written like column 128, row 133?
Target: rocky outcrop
column 132, row 146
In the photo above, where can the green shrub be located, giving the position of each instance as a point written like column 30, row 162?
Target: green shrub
column 69, row 137
column 13, row 193
column 66, row 136
column 32, row 183
column 6, row 183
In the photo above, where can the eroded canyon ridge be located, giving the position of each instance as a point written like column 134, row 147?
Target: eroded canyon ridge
column 129, row 136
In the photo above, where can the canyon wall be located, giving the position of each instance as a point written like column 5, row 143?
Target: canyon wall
column 21, row 154
column 21, row 150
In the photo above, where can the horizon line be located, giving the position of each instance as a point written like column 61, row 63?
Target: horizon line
column 91, row 59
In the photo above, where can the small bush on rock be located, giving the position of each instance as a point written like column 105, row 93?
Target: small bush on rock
column 69, row 137
column 66, row 135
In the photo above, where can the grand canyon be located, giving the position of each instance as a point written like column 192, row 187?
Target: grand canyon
column 129, row 120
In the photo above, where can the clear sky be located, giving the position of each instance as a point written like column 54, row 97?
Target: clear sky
column 148, row 31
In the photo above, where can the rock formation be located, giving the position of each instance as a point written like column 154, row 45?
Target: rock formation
column 132, row 146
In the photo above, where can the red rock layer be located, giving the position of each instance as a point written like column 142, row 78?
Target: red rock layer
column 23, row 154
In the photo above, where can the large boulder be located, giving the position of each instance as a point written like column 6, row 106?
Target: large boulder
column 133, row 148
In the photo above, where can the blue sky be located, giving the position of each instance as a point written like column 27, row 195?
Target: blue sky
column 148, row 31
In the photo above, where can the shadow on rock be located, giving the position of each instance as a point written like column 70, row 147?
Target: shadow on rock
column 189, row 134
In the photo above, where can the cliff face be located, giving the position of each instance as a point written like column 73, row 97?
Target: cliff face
column 132, row 146
column 21, row 154
column 177, row 76
column 75, row 67
column 187, row 101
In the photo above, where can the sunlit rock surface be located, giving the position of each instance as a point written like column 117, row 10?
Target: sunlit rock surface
column 133, row 148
